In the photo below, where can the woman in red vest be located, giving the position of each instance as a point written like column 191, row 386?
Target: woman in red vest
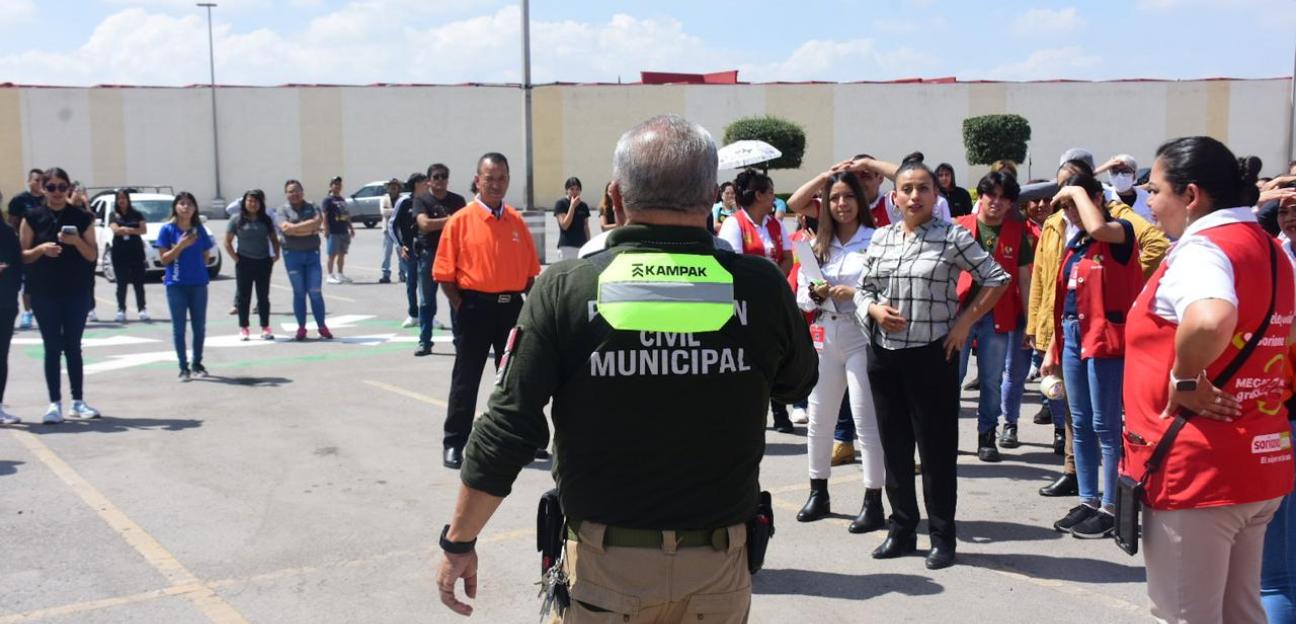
column 1205, row 310
column 755, row 230
column 1099, row 278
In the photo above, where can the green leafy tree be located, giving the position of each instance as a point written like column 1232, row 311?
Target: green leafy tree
column 989, row 138
column 784, row 135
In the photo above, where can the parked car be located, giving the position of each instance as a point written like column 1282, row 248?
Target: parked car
column 364, row 203
column 156, row 208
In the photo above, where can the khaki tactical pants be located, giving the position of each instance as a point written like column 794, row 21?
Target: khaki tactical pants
column 656, row 585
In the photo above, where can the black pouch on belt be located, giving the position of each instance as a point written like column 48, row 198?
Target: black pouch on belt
column 760, row 529
column 551, row 530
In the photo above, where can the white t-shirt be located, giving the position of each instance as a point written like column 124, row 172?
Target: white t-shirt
column 1140, row 201
column 1197, row 268
column 941, row 210
column 599, row 243
column 731, row 232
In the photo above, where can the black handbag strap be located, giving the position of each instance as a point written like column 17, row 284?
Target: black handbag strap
column 1181, row 418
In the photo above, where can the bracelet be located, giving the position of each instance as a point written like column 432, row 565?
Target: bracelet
column 455, row 548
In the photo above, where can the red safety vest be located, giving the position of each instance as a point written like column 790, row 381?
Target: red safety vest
column 879, row 212
column 752, row 244
column 1105, row 289
column 1214, row 463
column 1008, row 310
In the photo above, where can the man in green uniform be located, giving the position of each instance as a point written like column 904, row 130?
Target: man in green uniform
column 650, row 351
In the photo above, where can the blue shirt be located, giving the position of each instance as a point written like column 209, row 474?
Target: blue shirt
column 1121, row 253
column 189, row 269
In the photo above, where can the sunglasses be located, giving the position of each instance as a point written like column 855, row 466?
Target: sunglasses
column 440, row 176
column 56, row 188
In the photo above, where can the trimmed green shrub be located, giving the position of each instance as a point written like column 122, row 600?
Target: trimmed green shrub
column 996, row 137
column 784, row 135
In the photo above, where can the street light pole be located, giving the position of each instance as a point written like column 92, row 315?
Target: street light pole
column 526, row 103
column 219, row 200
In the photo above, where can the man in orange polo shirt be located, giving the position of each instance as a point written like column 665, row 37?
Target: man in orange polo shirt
column 485, row 262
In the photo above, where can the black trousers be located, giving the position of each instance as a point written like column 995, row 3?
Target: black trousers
column 252, row 273
column 915, row 392
column 7, row 316
column 129, row 272
column 483, row 322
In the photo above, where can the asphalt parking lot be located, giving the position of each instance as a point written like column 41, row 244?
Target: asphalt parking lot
column 303, row 483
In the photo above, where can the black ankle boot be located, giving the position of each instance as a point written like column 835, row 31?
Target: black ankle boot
column 870, row 517
column 1059, row 440
column 897, row 544
column 817, row 506
column 986, row 449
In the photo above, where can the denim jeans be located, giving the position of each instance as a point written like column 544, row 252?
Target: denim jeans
column 1016, row 368
column 191, row 302
column 992, row 355
column 410, row 269
column 62, row 320
column 427, row 291
column 388, row 245
column 1277, row 578
column 1093, row 388
column 845, row 430
column 306, row 276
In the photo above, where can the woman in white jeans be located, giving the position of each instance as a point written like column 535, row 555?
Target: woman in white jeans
column 844, row 232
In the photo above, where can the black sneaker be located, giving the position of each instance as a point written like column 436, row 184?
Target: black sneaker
column 184, row 374
column 986, row 450
column 1097, row 525
column 1044, row 416
column 199, row 370
column 1008, row 439
column 384, row 280
column 1077, row 515
column 423, row 350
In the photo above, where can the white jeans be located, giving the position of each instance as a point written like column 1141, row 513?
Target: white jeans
column 843, row 366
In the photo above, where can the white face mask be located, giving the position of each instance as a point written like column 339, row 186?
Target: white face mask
column 1122, row 182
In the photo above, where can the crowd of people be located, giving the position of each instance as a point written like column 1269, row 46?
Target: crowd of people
column 1161, row 305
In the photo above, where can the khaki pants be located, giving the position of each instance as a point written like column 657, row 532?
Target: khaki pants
column 656, row 585
column 1203, row 565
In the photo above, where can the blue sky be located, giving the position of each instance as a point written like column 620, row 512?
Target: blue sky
column 262, row 42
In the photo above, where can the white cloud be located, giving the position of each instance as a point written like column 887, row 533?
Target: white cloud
column 856, row 59
column 1048, row 21
column 1052, row 63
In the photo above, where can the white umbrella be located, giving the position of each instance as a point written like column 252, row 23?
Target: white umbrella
column 741, row 154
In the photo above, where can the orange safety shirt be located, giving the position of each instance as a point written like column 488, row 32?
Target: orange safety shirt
column 479, row 252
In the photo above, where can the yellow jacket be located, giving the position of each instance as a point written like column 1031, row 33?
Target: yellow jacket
column 1152, row 245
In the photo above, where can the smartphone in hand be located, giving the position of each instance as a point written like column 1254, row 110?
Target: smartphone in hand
column 70, row 230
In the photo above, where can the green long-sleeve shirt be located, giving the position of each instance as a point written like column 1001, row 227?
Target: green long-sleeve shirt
column 651, row 430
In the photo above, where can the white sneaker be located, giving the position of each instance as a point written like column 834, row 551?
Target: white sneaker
column 120, row 317
column 438, row 325
column 54, row 414
column 81, row 410
column 8, row 419
column 409, row 322
column 25, row 322
column 799, row 416
column 344, row 279
column 92, row 317
column 333, row 279
column 144, row 315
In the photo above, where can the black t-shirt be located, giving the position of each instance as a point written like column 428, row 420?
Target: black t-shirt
column 68, row 273
column 335, row 213
column 574, row 235
column 960, row 202
column 23, row 203
column 427, row 204
column 129, row 247
column 11, row 276
column 403, row 220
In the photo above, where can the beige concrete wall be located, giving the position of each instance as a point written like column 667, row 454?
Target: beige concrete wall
column 163, row 136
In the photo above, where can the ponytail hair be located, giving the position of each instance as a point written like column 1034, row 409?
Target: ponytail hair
column 914, row 162
column 750, row 182
column 1201, row 160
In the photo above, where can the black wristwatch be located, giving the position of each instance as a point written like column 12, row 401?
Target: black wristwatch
column 455, row 548
column 1184, row 385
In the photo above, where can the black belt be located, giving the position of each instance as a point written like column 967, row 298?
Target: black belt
column 485, row 297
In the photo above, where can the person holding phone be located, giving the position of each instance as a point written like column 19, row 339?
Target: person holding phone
column 572, row 214
column 128, row 227
column 185, row 245
column 10, row 283
column 59, row 249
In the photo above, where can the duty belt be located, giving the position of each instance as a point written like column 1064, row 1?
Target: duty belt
column 652, row 538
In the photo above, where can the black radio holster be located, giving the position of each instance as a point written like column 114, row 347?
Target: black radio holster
column 551, row 530
column 760, row 529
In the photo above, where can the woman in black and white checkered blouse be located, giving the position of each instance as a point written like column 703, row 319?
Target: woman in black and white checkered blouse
column 906, row 298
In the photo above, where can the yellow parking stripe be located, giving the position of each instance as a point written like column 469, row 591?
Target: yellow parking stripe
column 407, row 393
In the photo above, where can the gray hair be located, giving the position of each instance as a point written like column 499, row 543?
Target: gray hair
column 1127, row 160
column 1077, row 153
column 666, row 163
